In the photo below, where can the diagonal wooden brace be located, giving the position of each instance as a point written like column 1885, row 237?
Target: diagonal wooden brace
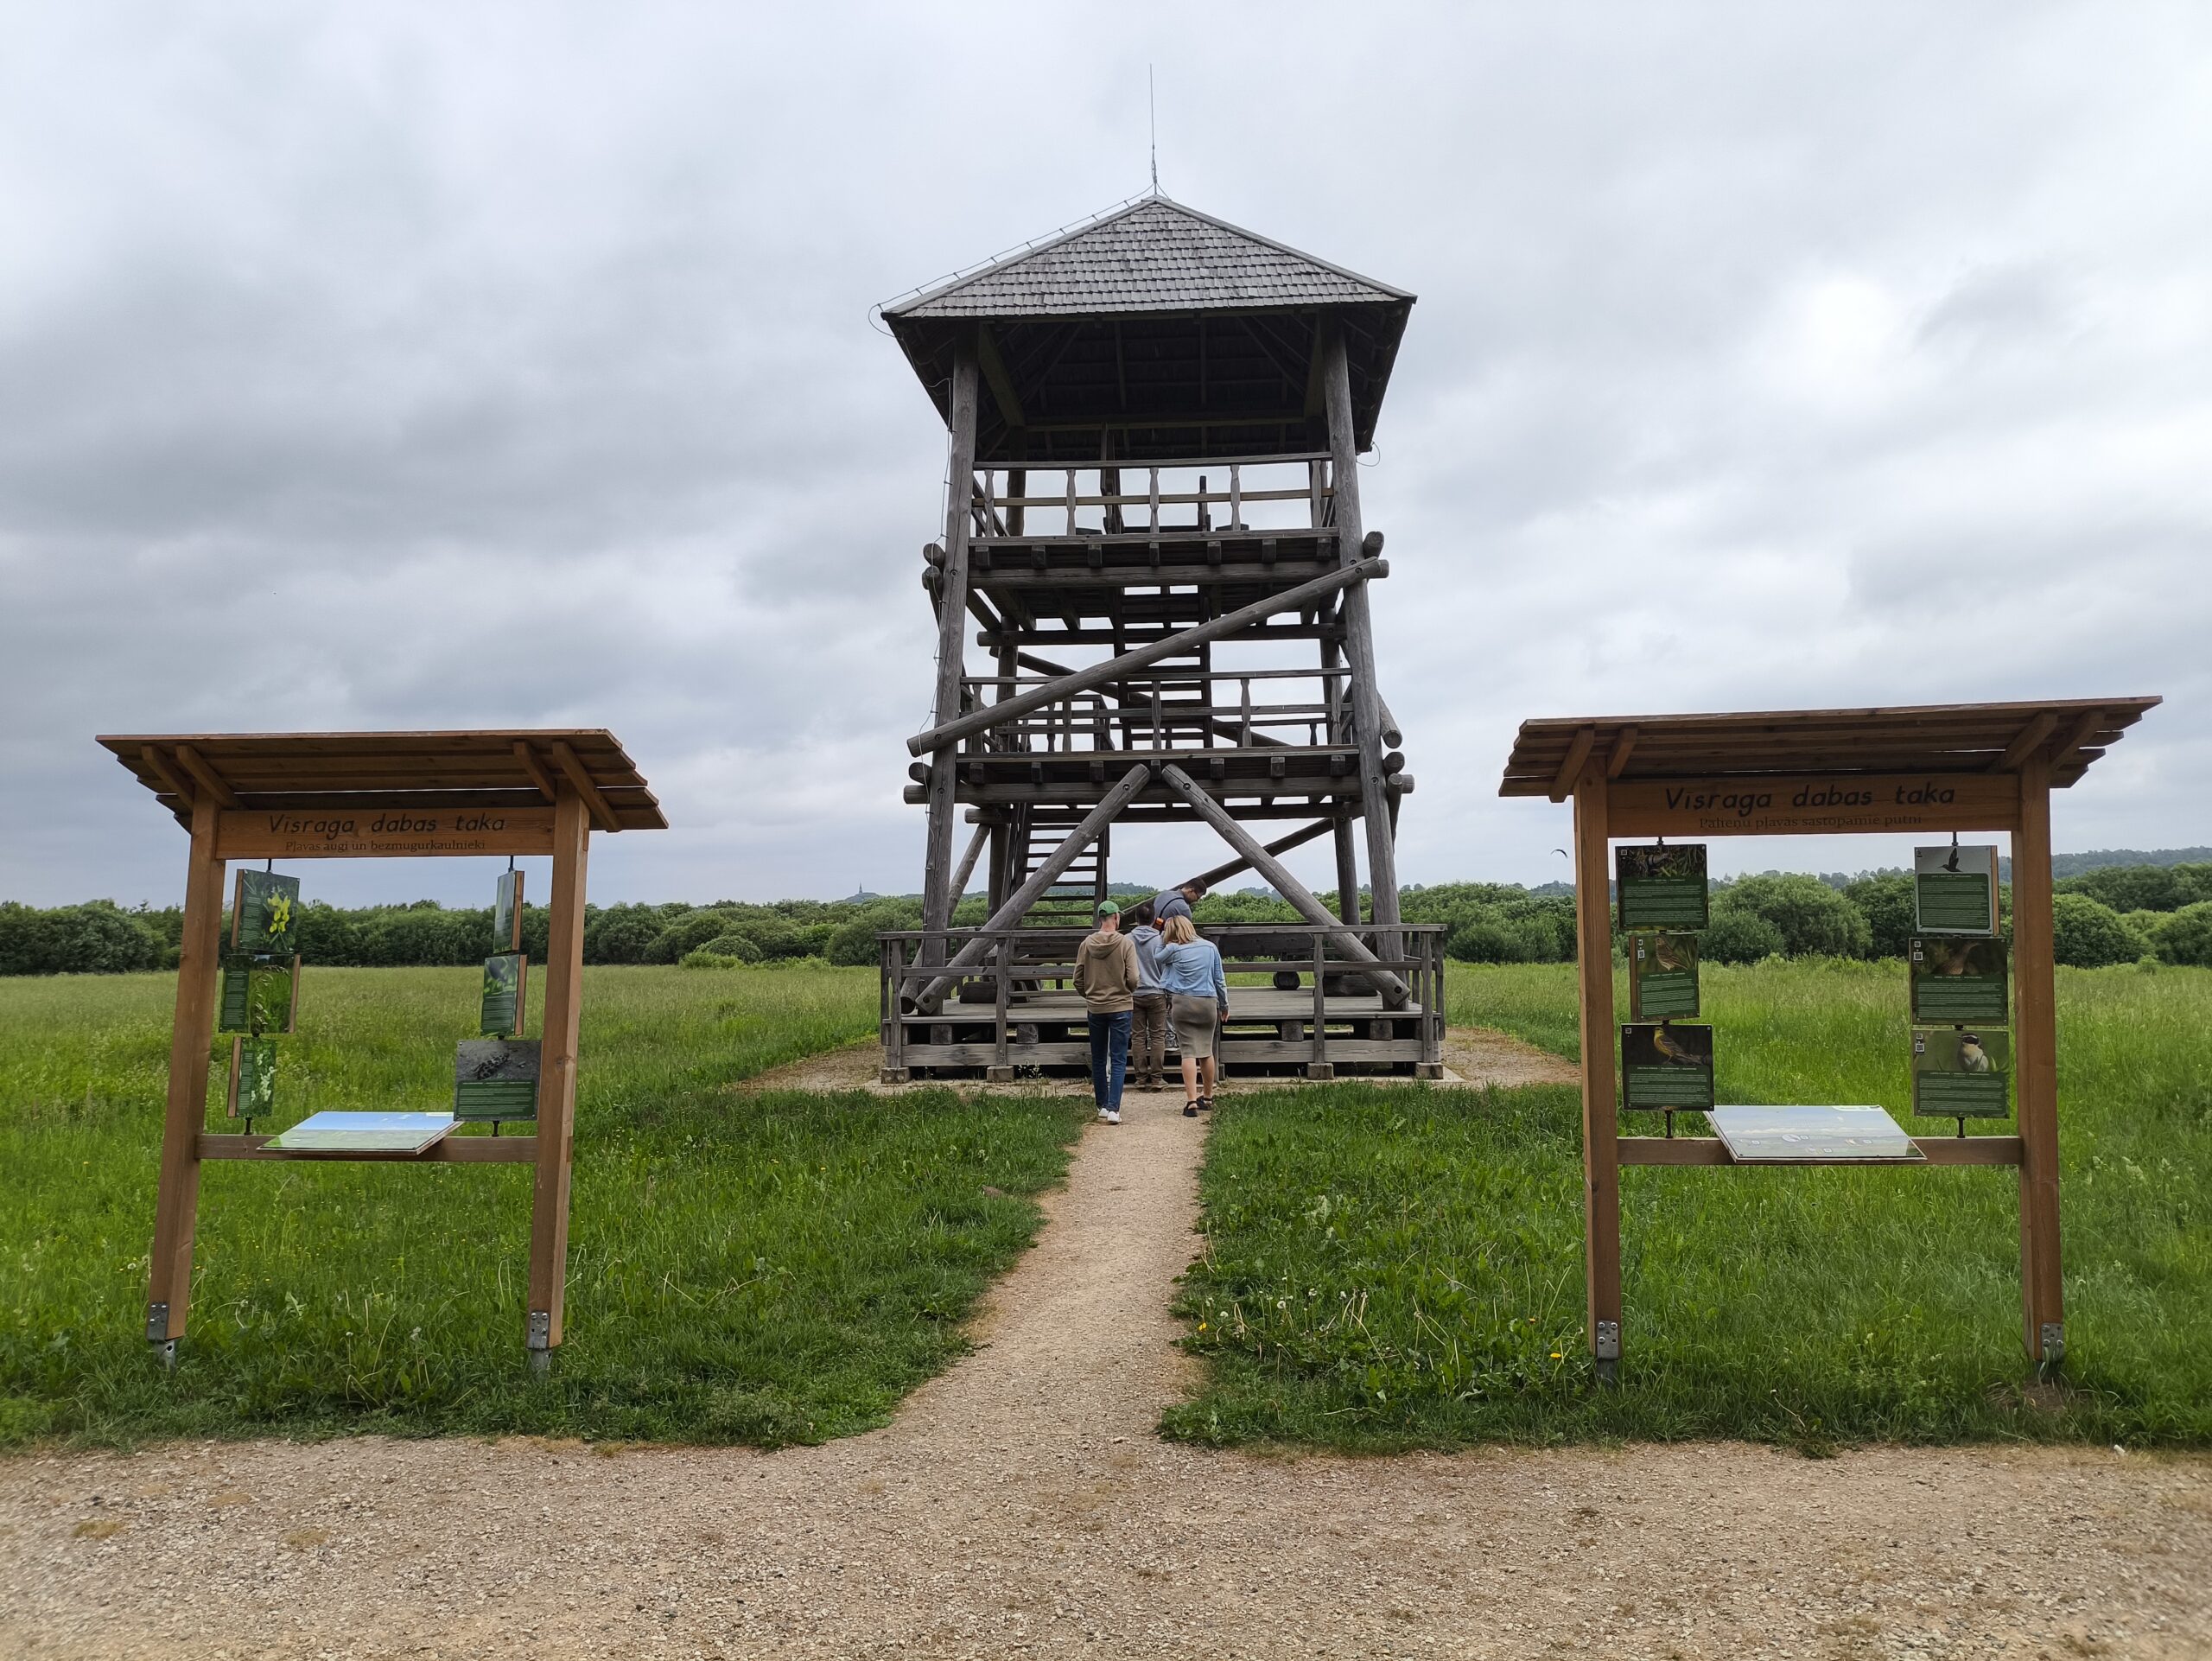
column 971, row 956
column 1393, row 990
column 1143, row 656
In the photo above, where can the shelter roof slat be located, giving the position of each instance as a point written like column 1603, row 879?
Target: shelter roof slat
column 344, row 771
column 1924, row 738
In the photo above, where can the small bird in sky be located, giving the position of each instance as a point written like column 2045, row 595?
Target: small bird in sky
column 1952, row 863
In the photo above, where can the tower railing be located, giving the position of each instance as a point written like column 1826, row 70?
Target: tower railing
column 1198, row 496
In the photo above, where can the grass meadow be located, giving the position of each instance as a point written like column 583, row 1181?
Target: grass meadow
column 1405, row 1269
column 763, row 1268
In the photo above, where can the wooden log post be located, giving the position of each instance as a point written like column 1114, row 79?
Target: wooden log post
column 1350, row 579
column 1393, row 989
column 2042, row 1316
column 556, row 1090
column 1347, row 869
column 1359, row 641
column 176, row 1207
column 951, row 650
column 1601, row 1194
column 966, row 868
column 1094, row 824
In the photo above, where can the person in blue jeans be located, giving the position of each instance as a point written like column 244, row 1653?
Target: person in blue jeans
column 1106, row 975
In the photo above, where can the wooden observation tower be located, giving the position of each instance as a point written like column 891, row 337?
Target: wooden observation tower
column 1154, row 528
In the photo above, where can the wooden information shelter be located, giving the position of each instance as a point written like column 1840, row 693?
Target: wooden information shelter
column 364, row 796
column 1940, row 769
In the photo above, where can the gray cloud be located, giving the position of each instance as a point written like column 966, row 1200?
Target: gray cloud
column 448, row 367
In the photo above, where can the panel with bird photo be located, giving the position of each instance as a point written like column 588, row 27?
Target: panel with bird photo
column 1661, row 886
column 1955, row 889
column 1663, row 1065
column 1960, row 1072
column 1662, row 977
column 1959, row 978
column 266, row 915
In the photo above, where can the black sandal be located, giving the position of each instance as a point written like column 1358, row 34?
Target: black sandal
column 1205, row 1104
column 1189, row 1109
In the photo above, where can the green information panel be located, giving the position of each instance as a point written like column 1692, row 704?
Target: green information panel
column 495, row 1079
column 1661, row 886
column 507, row 914
column 505, row 977
column 257, row 995
column 1954, row 890
column 1959, row 979
column 1960, row 1072
column 1662, row 977
column 1667, row 1067
column 253, row 1078
column 266, row 915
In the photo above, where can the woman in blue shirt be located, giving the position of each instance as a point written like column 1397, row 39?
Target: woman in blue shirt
column 1198, row 1004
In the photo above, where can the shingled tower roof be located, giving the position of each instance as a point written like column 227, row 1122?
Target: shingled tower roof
column 1154, row 330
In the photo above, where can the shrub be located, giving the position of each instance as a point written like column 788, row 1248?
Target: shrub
column 621, row 934
column 1740, row 936
column 853, row 943
column 1885, row 902
column 737, row 947
column 772, row 937
column 2131, row 887
column 97, row 938
column 2088, row 935
column 2185, row 937
column 1490, row 939
column 703, row 959
column 687, row 932
column 1812, row 918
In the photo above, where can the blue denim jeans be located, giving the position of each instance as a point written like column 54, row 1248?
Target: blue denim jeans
column 1109, row 1056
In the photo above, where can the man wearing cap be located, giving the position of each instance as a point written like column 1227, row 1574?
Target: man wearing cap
column 1106, row 975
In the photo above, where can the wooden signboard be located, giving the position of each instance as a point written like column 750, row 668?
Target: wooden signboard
column 256, row 833
column 1661, row 887
column 1960, row 1072
column 1959, row 978
column 495, row 1079
column 1798, row 804
column 1666, row 1067
column 506, row 979
column 1954, row 890
column 1662, row 977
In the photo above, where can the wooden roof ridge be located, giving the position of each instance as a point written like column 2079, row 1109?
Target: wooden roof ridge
column 930, row 301
column 1948, row 738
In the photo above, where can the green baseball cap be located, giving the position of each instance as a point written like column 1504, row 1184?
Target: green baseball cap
column 1108, row 908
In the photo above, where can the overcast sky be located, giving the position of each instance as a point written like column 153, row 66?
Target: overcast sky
column 467, row 365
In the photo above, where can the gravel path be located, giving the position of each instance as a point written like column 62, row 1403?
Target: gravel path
column 1021, row 1506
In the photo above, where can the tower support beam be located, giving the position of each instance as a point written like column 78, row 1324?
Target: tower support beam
column 937, row 897
column 1359, row 637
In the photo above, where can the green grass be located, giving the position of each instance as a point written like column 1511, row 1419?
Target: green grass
column 1406, row 1269
column 747, row 1268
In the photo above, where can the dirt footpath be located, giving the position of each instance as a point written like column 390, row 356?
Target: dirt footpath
column 1021, row 1506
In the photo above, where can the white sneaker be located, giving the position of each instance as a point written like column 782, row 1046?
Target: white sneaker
column 1104, row 1117
column 1113, row 1116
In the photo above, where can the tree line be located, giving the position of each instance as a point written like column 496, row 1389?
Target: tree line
column 2111, row 914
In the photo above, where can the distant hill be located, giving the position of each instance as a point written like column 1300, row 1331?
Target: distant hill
column 2074, row 864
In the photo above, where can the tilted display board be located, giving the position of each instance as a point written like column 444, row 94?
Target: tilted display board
column 1955, row 889
column 1667, row 1067
column 1663, row 976
column 1959, row 1071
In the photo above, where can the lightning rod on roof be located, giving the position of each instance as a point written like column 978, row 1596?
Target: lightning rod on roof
column 1152, row 120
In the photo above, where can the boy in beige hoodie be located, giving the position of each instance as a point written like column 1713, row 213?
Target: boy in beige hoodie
column 1106, row 975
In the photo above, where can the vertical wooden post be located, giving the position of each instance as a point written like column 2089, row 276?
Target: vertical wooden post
column 556, row 1092
column 1318, row 1064
column 176, row 1205
column 1601, row 1192
column 1360, row 646
column 2036, row 1077
column 1347, row 871
column 951, row 650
